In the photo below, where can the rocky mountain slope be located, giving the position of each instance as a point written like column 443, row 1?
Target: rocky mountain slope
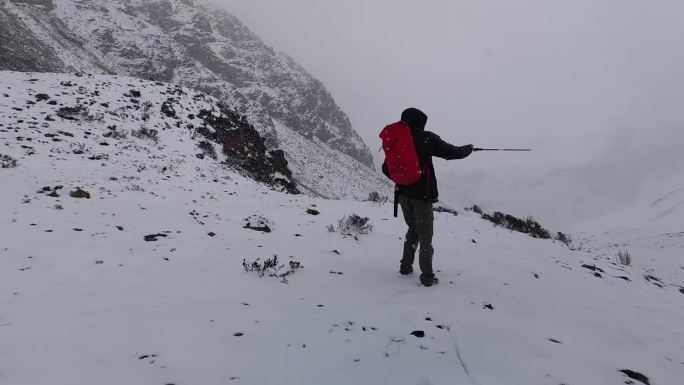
column 202, row 48
column 132, row 256
column 96, row 122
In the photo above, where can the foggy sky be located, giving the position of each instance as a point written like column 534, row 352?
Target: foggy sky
column 595, row 87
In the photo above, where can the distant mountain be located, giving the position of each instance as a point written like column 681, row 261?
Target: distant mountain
column 663, row 212
column 206, row 49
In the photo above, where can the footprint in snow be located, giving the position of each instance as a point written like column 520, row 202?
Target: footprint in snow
column 394, row 347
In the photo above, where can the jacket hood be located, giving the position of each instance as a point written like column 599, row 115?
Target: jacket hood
column 415, row 118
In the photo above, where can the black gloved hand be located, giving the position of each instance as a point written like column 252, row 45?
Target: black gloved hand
column 470, row 148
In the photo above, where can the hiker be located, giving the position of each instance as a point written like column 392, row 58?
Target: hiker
column 408, row 162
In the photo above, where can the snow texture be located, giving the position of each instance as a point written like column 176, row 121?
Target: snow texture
column 652, row 233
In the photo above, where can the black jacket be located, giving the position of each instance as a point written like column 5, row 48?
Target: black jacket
column 427, row 144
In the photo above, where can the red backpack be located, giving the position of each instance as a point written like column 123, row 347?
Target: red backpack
column 400, row 154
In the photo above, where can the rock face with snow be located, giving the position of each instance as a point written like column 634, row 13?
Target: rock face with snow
column 105, row 119
column 202, row 48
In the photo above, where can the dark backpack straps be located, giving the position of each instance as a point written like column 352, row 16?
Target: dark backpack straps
column 396, row 201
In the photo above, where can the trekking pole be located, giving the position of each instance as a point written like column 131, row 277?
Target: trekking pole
column 501, row 149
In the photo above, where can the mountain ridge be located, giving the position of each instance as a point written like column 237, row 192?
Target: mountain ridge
column 196, row 46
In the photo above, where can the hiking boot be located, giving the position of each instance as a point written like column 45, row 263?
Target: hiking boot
column 427, row 282
column 406, row 270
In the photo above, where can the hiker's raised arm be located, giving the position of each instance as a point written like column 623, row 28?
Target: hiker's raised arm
column 448, row 151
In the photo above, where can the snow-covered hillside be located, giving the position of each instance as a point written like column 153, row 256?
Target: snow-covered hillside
column 143, row 282
column 651, row 232
column 103, row 122
column 202, row 48
column 107, row 110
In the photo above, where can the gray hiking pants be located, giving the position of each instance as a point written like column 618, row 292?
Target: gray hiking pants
column 419, row 217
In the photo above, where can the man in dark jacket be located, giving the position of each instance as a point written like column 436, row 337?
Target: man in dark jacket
column 416, row 200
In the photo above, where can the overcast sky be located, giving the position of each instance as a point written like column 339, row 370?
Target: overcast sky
column 595, row 87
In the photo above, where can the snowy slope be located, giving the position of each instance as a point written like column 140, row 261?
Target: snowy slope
column 652, row 232
column 85, row 298
column 202, row 48
column 106, row 121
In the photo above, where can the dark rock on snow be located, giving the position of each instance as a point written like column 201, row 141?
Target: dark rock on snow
column 79, row 193
column 636, row 376
column 153, row 237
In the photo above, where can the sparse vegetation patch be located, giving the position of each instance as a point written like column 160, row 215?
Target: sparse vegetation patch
column 7, row 161
column 352, row 226
column 528, row 225
column 375, row 197
column 115, row 133
column 78, row 148
column 146, row 133
column 624, row 258
column 78, row 112
column 271, row 267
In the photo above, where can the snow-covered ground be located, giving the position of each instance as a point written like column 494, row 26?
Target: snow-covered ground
column 652, row 232
column 85, row 298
